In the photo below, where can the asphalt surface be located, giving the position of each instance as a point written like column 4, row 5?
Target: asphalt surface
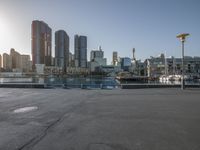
column 73, row 119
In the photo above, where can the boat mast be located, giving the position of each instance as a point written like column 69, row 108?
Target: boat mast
column 166, row 72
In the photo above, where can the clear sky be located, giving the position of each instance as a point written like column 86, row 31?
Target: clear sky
column 149, row 26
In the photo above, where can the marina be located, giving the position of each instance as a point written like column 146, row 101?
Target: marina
column 94, row 82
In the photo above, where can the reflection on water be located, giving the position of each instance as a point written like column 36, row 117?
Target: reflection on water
column 88, row 82
column 84, row 82
column 70, row 82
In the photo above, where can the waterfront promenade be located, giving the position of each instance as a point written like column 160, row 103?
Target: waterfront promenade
column 118, row 119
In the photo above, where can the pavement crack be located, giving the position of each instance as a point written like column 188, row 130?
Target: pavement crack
column 38, row 138
column 35, row 140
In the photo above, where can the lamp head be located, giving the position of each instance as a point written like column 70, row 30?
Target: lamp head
column 182, row 36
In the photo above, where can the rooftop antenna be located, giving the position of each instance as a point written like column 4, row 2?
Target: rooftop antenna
column 133, row 53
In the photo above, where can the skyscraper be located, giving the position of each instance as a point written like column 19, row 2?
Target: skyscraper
column 61, row 49
column 80, row 51
column 76, row 50
column 25, row 63
column 41, row 43
column 96, row 54
column 115, row 59
column 97, row 60
column 16, row 58
column 7, row 62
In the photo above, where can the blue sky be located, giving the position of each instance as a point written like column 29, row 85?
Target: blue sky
column 149, row 26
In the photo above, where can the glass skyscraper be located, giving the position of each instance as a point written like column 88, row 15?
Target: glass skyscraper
column 80, row 51
column 41, row 43
column 61, row 49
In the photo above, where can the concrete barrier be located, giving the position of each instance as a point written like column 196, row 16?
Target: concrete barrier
column 22, row 85
column 141, row 86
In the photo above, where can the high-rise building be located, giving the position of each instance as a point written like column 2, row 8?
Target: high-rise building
column 0, row 61
column 7, row 62
column 41, row 43
column 80, row 51
column 61, row 49
column 97, row 60
column 76, row 50
column 96, row 54
column 71, row 60
column 16, row 58
column 83, row 51
column 25, row 63
column 115, row 59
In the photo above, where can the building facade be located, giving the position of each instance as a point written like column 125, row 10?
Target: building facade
column 25, row 63
column 157, row 66
column 61, row 49
column 16, row 58
column 97, row 60
column 7, row 62
column 125, row 63
column 115, row 58
column 80, row 51
column 96, row 54
column 15, row 62
column 41, row 43
column 0, row 61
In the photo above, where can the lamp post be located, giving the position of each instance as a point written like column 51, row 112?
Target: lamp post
column 182, row 39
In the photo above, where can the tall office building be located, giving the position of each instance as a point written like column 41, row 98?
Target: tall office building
column 25, row 63
column 41, row 43
column 97, row 60
column 80, row 51
column 61, row 49
column 115, row 59
column 16, row 58
column 7, row 62
column 71, row 60
column 76, row 50
column 96, row 54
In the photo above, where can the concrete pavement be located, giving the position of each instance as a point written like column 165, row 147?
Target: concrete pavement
column 137, row 119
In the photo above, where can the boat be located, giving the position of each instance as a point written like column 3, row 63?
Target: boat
column 167, row 78
column 126, row 76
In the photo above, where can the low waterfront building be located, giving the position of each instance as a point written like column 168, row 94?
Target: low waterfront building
column 77, row 70
column 53, row 70
column 157, row 66
column 110, row 70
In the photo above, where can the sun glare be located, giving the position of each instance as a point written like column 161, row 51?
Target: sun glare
column 4, row 34
column 2, row 27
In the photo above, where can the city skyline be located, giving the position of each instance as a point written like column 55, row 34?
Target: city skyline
column 150, row 28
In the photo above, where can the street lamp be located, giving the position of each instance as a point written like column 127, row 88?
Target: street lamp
column 182, row 39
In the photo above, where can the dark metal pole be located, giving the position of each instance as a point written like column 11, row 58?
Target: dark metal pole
column 183, row 70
